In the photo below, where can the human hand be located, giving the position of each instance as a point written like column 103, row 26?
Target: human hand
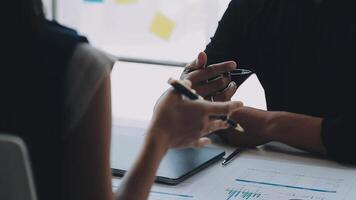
column 220, row 88
column 179, row 123
column 256, row 124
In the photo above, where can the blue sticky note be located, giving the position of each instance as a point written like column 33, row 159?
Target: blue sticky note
column 94, row 1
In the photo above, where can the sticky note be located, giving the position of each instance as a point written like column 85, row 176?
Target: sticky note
column 94, row 1
column 162, row 26
column 126, row 1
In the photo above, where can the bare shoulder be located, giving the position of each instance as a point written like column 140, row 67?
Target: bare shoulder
column 87, row 56
column 86, row 70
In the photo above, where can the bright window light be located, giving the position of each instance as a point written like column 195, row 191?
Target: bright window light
column 174, row 30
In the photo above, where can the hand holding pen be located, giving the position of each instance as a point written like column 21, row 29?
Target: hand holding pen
column 218, row 81
column 179, row 87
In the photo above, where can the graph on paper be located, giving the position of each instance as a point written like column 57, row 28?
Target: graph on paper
column 267, row 180
column 242, row 194
column 164, row 195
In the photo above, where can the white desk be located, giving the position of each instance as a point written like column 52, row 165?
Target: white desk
column 272, row 172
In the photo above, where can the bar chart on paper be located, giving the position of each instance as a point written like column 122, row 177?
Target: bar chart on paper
column 242, row 194
column 275, row 181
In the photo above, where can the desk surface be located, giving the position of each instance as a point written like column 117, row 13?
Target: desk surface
column 274, row 171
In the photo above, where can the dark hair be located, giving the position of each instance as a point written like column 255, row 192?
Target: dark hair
column 24, row 20
column 33, row 14
column 25, row 16
column 38, row 8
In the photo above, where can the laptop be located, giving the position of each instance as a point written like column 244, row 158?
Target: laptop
column 133, row 103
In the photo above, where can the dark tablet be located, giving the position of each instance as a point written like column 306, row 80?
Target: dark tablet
column 175, row 167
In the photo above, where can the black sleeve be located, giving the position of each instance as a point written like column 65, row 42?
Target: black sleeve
column 230, row 41
column 338, row 137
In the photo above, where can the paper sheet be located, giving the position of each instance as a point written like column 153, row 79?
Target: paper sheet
column 261, row 179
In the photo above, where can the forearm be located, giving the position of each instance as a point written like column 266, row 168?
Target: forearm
column 137, row 183
column 300, row 131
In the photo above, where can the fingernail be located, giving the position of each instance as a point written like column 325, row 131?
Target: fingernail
column 234, row 85
column 207, row 142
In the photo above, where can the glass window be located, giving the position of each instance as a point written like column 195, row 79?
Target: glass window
column 174, row 30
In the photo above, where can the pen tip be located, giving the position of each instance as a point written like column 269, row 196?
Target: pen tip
column 239, row 128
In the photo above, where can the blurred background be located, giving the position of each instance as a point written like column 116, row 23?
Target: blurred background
column 155, row 29
column 168, row 32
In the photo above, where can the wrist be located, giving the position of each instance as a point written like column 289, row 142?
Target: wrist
column 157, row 140
column 272, row 126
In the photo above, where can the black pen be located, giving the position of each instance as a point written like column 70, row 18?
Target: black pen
column 179, row 87
column 228, row 159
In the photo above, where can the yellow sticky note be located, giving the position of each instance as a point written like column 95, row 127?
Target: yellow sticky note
column 162, row 26
column 126, row 1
